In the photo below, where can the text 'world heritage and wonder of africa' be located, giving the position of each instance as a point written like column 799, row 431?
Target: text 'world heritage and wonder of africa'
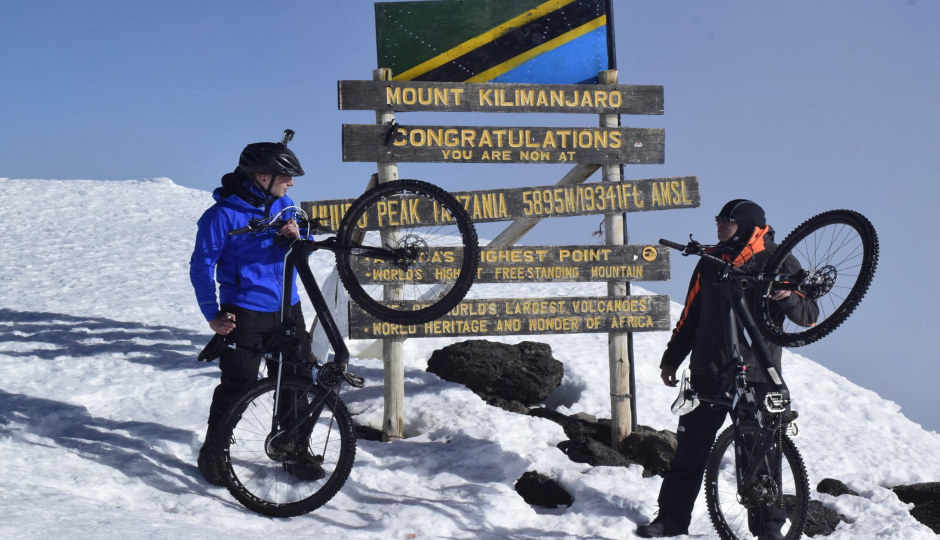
column 515, row 316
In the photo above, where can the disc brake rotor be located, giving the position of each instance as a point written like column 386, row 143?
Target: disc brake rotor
column 819, row 282
column 410, row 249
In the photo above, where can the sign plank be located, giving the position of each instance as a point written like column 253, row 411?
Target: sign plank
column 510, row 204
column 520, row 316
column 500, row 97
column 528, row 264
column 455, row 144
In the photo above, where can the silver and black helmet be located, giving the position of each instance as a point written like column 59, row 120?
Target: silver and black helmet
column 270, row 158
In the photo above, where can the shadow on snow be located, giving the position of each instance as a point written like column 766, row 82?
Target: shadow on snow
column 129, row 447
column 162, row 347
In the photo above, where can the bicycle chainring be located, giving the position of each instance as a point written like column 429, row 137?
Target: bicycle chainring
column 331, row 375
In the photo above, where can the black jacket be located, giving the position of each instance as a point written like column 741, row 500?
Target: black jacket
column 702, row 328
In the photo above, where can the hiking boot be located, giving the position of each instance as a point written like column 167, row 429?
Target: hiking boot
column 661, row 528
column 771, row 535
column 308, row 469
column 207, row 462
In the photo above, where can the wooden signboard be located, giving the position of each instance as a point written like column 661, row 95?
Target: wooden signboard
column 519, row 316
column 527, row 264
column 500, row 97
column 510, row 204
column 437, row 144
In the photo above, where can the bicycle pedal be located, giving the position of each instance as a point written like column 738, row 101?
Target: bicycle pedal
column 793, row 430
column 775, row 403
column 353, row 380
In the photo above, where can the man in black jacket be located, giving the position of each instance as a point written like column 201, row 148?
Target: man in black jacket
column 746, row 240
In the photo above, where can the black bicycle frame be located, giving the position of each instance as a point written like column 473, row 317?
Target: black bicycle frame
column 297, row 258
column 739, row 316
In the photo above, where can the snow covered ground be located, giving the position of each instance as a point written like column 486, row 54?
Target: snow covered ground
column 103, row 405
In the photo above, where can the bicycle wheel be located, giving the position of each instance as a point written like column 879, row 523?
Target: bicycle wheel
column 729, row 510
column 839, row 251
column 285, row 479
column 436, row 243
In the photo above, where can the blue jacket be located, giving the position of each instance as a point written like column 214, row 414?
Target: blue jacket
column 250, row 267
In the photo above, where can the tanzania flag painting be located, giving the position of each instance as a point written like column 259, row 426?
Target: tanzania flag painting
column 508, row 41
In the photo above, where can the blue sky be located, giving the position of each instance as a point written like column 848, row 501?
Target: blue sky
column 802, row 106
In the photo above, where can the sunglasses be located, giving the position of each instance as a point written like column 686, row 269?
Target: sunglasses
column 723, row 219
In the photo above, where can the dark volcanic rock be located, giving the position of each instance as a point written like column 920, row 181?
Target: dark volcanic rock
column 577, row 428
column 367, row 433
column 918, row 493
column 928, row 513
column 926, row 500
column 510, row 405
column 589, row 442
column 593, row 453
column 650, row 448
column 549, row 414
column 540, row 490
column 834, row 487
column 820, row 521
column 526, row 372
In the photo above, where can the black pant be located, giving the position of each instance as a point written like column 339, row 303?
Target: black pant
column 240, row 365
column 695, row 436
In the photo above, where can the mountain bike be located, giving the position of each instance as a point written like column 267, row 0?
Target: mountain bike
column 287, row 445
column 754, row 469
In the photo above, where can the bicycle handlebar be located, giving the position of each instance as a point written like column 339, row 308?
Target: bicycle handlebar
column 673, row 245
column 259, row 225
column 784, row 281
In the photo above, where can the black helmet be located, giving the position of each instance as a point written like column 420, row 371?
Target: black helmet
column 270, row 158
column 748, row 215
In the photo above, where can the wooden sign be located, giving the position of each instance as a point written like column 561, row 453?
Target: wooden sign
column 517, row 264
column 519, row 316
column 436, row 144
column 500, row 97
column 510, row 204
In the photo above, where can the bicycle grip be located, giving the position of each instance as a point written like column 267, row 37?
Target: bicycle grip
column 673, row 245
column 242, row 230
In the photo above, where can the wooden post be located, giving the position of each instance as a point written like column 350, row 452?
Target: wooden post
column 620, row 415
column 393, row 422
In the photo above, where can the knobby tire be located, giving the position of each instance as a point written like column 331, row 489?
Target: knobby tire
column 415, row 277
column 841, row 240
column 266, row 485
column 728, row 515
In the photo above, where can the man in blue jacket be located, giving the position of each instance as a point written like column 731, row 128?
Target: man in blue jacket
column 249, row 269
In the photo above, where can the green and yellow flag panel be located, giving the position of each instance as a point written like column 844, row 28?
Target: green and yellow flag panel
column 513, row 41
